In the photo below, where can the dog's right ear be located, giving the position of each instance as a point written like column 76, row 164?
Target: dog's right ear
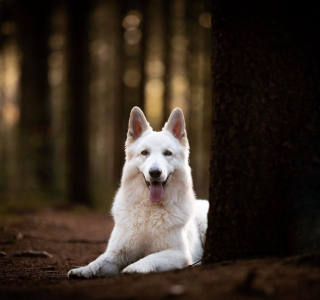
column 177, row 127
column 137, row 124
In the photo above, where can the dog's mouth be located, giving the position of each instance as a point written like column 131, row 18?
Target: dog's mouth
column 156, row 189
column 155, row 181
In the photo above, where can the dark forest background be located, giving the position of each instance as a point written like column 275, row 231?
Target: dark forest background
column 70, row 72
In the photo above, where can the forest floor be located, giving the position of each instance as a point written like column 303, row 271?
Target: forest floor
column 75, row 239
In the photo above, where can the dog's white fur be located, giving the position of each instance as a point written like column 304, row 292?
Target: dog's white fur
column 153, row 236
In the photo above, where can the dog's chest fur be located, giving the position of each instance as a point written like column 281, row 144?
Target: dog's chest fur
column 148, row 226
column 148, row 217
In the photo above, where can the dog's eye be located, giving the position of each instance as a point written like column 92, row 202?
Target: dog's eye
column 167, row 153
column 144, row 152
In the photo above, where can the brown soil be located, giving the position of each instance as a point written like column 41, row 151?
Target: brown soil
column 76, row 239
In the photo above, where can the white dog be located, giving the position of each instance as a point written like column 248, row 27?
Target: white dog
column 159, row 225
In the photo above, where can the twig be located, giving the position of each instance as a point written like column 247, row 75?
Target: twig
column 31, row 253
column 72, row 240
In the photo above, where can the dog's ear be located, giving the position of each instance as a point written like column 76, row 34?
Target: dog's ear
column 137, row 124
column 176, row 124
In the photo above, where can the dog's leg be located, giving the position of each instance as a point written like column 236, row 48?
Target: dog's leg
column 105, row 265
column 161, row 261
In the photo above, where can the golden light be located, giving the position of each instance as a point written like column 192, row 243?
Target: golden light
column 179, row 84
column 11, row 72
column 101, row 49
column 179, row 42
column 132, row 36
column 155, row 87
column 154, row 104
column 55, row 62
column 205, row 20
column 55, row 76
column 55, row 59
column 136, row 13
column 56, row 41
column 155, row 68
column 130, row 22
column 131, row 78
column 155, row 44
column 10, row 113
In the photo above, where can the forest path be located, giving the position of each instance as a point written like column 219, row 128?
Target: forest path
column 75, row 239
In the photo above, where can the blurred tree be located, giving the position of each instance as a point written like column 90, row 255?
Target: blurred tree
column 167, row 50
column 78, row 80
column 205, row 17
column 199, row 101
column 35, row 142
column 57, row 81
column 83, row 67
column 155, row 64
column 105, row 35
column 131, row 58
column 265, row 163
column 6, row 15
column 143, row 6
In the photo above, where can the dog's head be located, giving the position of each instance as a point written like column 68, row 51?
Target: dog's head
column 157, row 156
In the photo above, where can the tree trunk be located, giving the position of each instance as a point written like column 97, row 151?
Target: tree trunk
column 142, row 56
column 167, row 59
column 36, row 168
column 265, row 162
column 119, row 122
column 129, row 95
column 78, row 81
column 199, row 108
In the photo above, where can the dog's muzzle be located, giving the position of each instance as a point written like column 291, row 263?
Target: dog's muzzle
column 148, row 183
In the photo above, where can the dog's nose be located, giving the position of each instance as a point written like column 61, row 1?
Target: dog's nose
column 155, row 172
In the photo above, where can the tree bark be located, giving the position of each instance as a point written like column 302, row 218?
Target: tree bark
column 265, row 166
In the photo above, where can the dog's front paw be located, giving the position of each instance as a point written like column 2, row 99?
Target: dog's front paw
column 84, row 272
column 136, row 269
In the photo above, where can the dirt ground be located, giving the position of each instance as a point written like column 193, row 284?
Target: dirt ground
column 75, row 239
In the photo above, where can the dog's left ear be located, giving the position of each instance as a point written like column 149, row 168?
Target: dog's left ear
column 138, row 124
column 176, row 124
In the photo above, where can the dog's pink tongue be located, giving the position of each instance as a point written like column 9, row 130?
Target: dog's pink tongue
column 156, row 191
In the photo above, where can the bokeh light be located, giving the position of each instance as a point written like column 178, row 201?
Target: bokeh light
column 132, row 36
column 132, row 78
column 131, row 22
column 205, row 19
